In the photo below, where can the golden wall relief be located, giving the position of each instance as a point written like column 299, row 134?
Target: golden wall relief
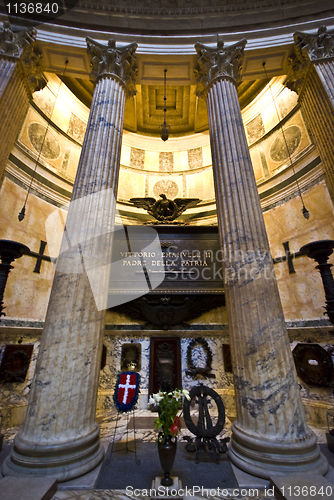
column 76, row 128
column 255, row 129
column 167, row 187
column 297, row 139
column 285, row 144
column 43, row 141
column 195, row 158
column 57, row 152
column 137, row 158
column 272, row 154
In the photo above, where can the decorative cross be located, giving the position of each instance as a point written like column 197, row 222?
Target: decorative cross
column 288, row 257
column 126, row 388
column 39, row 256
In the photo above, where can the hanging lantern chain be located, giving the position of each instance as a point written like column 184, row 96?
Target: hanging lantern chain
column 305, row 212
column 23, row 211
column 164, row 126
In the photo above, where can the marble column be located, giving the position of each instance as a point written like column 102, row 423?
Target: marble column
column 311, row 75
column 60, row 437
column 20, row 76
column 270, row 435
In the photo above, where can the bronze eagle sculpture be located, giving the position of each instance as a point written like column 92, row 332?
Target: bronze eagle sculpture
column 165, row 210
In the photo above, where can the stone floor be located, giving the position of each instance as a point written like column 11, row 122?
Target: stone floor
column 107, row 420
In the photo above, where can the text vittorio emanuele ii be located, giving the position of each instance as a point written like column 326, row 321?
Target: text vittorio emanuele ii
column 170, row 260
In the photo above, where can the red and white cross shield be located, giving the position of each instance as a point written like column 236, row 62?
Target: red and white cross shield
column 126, row 392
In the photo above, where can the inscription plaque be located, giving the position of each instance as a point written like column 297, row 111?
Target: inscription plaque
column 190, row 259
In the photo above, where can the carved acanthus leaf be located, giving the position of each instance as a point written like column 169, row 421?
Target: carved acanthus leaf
column 109, row 60
column 22, row 46
column 316, row 46
column 33, row 69
column 217, row 62
column 308, row 47
column 298, row 67
column 12, row 44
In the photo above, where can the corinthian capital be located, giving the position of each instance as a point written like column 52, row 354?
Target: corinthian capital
column 109, row 60
column 318, row 46
column 298, row 66
column 220, row 62
column 21, row 45
column 33, row 69
column 12, row 44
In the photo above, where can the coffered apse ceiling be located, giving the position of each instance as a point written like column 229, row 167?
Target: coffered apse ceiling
column 144, row 113
column 186, row 114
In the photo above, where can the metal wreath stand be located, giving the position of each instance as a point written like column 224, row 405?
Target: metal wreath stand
column 206, row 444
column 125, row 405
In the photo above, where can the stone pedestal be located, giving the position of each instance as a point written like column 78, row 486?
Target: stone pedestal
column 60, row 437
column 20, row 75
column 175, row 490
column 270, row 435
column 312, row 77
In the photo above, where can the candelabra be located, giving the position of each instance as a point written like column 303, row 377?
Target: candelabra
column 320, row 251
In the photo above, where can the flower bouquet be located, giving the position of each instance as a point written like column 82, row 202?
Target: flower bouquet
column 169, row 404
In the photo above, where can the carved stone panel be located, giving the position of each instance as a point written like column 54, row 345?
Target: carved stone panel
column 166, row 162
column 137, row 158
column 195, row 158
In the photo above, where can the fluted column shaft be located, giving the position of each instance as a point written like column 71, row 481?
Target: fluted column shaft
column 270, row 434
column 17, row 62
column 312, row 77
column 60, row 437
column 317, row 102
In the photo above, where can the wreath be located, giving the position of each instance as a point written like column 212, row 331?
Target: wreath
column 209, row 432
column 126, row 391
column 195, row 370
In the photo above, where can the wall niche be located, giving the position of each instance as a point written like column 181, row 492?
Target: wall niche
column 131, row 357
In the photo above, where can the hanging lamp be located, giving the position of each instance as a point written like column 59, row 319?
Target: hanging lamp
column 305, row 212
column 23, row 210
column 164, row 126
